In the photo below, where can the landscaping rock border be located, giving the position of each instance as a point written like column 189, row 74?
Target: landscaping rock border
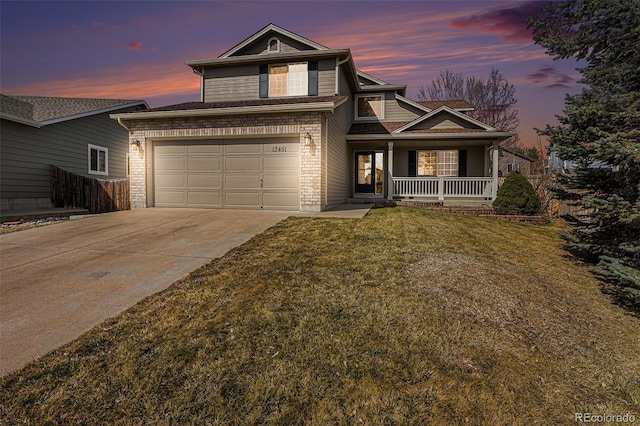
column 476, row 211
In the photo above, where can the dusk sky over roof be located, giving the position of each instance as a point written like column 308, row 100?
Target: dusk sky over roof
column 137, row 50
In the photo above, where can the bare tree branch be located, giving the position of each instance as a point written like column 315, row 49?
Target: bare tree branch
column 493, row 99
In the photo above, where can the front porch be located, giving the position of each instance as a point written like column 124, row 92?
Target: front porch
column 398, row 171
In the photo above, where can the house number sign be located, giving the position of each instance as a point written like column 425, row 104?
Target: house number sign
column 279, row 149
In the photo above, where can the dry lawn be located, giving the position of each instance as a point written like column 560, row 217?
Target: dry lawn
column 403, row 317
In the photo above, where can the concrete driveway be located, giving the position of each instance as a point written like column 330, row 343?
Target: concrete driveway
column 59, row 281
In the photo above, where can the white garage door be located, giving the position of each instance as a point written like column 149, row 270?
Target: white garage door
column 237, row 174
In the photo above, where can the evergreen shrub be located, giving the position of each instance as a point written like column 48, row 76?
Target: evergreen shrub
column 517, row 196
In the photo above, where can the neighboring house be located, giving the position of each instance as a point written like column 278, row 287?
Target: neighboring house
column 558, row 165
column 513, row 161
column 286, row 123
column 75, row 134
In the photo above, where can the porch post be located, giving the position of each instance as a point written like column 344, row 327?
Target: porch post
column 390, row 170
column 494, row 170
column 441, row 188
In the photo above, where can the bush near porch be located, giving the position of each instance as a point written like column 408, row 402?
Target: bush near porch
column 516, row 196
column 406, row 316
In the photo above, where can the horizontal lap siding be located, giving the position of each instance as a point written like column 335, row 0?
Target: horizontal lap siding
column 397, row 111
column 28, row 152
column 232, row 83
column 326, row 77
column 338, row 156
column 259, row 46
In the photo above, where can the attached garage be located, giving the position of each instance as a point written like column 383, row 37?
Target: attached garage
column 231, row 173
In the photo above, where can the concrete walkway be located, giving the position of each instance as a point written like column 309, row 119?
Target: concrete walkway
column 59, row 281
column 344, row 211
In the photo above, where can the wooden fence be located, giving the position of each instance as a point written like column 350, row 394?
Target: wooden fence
column 70, row 190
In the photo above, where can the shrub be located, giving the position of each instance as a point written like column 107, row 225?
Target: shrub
column 517, row 196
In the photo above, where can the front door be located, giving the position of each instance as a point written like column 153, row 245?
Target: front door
column 369, row 168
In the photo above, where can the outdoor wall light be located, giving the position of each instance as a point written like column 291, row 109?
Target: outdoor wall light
column 135, row 143
column 307, row 139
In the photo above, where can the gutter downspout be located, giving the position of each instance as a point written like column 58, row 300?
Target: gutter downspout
column 201, row 74
column 121, row 123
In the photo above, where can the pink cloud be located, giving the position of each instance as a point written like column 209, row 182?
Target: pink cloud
column 119, row 83
column 135, row 45
column 507, row 22
column 154, row 49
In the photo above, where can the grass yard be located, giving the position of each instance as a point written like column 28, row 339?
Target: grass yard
column 404, row 317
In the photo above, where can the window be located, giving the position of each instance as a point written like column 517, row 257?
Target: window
column 513, row 167
column 288, row 80
column 273, row 45
column 437, row 163
column 369, row 107
column 98, row 160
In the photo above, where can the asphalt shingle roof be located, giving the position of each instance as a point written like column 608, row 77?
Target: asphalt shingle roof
column 44, row 108
column 13, row 106
column 453, row 104
column 376, row 128
column 187, row 106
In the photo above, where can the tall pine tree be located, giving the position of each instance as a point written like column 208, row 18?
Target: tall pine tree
column 600, row 132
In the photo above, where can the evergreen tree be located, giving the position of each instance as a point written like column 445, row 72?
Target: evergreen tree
column 600, row 132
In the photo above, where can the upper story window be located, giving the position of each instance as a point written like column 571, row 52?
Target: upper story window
column 288, row 80
column 273, row 45
column 98, row 160
column 369, row 107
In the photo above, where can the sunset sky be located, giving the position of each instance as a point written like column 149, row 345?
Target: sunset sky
column 138, row 49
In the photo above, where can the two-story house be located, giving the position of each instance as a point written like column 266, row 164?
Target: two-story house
column 286, row 123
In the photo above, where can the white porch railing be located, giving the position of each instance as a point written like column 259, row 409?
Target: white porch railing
column 443, row 187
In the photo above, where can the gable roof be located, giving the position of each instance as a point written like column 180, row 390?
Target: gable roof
column 516, row 153
column 459, row 104
column 369, row 77
column 272, row 27
column 38, row 111
column 406, row 130
column 412, row 103
column 445, row 109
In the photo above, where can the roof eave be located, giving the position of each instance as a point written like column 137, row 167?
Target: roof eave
column 90, row 113
column 254, row 109
column 412, row 103
column 21, row 120
column 480, row 135
column 234, row 60
column 383, row 87
column 371, row 78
